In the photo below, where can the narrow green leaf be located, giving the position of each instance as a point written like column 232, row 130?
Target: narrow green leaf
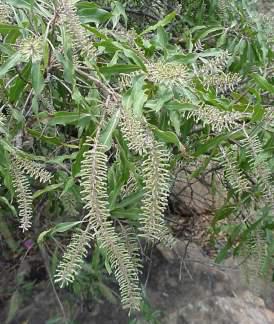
column 65, row 118
column 10, row 63
column 24, row 4
column 118, row 69
column 5, row 28
column 128, row 201
column 177, row 106
column 263, row 83
column 210, row 144
column 59, row 228
column 49, row 188
column 108, row 267
column 167, row 136
column 37, row 78
column 136, row 97
column 106, row 136
column 5, row 202
column 90, row 12
column 15, row 304
column 162, row 23
column 202, row 34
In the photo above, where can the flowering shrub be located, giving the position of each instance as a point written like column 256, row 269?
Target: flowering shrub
column 98, row 109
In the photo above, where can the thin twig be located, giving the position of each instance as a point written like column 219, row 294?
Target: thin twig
column 45, row 258
column 107, row 90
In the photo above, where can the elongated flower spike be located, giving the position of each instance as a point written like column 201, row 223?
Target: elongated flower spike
column 170, row 74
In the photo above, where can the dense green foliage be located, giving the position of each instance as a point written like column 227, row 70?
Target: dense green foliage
column 100, row 106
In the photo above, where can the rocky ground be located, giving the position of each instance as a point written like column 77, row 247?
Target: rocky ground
column 183, row 286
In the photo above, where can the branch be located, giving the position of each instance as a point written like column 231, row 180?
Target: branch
column 106, row 90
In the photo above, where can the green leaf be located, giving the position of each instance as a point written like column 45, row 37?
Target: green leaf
column 5, row 202
column 223, row 213
column 263, row 83
column 184, row 58
column 68, row 185
column 18, row 85
column 118, row 69
column 49, row 188
column 106, row 292
column 205, row 32
column 94, row 15
column 90, row 12
column 59, row 228
column 211, row 52
column 177, row 106
column 162, row 23
column 5, row 29
column 66, row 118
column 49, row 139
column 162, row 37
column 136, row 97
column 128, row 201
column 106, row 136
column 24, row 4
column 163, row 95
column 10, row 63
column 15, row 304
column 224, row 251
column 167, row 136
column 210, row 144
column 43, row 138
column 108, row 267
column 134, row 57
column 76, row 166
column 118, row 11
column 131, row 214
column 37, row 78
column 175, row 121
column 258, row 113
